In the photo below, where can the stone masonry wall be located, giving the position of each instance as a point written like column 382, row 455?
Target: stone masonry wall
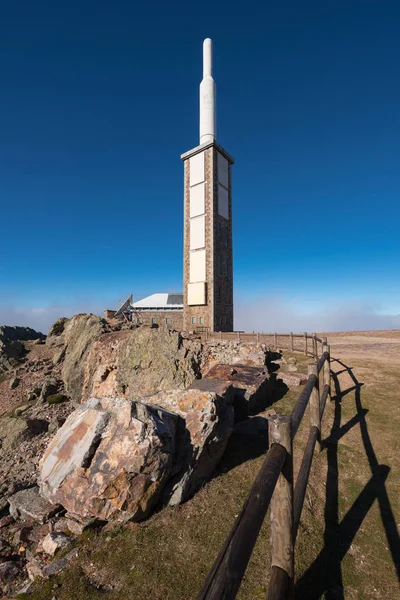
column 169, row 318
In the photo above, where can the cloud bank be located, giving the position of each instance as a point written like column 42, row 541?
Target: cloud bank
column 275, row 314
column 267, row 313
column 41, row 318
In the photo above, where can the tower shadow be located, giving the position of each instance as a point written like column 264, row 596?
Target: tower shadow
column 324, row 576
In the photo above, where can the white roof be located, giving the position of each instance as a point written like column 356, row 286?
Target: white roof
column 158, row 301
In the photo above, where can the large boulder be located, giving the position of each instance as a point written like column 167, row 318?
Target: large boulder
column 140, row 362
column 208, row 423
column 113, row 458
column 110, row 460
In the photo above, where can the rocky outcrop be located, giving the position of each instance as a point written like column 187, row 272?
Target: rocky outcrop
column 77, row 337
column 11, row 347
column 56, row 330
column 23, row 334
column 110, row 460
column 140, row 362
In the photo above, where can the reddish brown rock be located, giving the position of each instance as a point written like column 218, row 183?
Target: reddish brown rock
column 249, row 383
column 110, row 460
column 208, row 419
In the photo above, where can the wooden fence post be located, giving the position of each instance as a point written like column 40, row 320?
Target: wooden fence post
column 275, row 341
column 315, row 415
column 282, row 549
column 305, row 342
column 291, row 341
column 258, row 337
column 327, row 369
column 220, row 335
column 238, row 333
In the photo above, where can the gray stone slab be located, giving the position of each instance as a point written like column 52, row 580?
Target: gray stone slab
column 28, row 505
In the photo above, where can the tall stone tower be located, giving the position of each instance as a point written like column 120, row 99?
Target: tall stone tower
column 208, row 268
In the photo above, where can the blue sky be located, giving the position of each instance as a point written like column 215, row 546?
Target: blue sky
column 99, row 99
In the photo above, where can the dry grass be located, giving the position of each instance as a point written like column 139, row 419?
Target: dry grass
column 346, row 541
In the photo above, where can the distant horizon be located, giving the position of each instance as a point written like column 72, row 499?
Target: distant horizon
column 99, row 101
column 285, row 319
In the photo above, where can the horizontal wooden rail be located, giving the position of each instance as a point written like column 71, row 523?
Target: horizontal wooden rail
column 301, row 404
column 224, row 579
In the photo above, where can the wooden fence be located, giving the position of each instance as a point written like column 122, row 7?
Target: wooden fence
column 305, row 342
column 274, row 486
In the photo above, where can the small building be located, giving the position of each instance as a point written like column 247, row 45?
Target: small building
column 157, row 309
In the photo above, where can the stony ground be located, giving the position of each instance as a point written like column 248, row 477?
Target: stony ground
column 348, row 543
column 37, row 364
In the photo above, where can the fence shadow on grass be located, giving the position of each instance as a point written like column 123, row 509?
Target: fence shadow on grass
column 324, row 576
